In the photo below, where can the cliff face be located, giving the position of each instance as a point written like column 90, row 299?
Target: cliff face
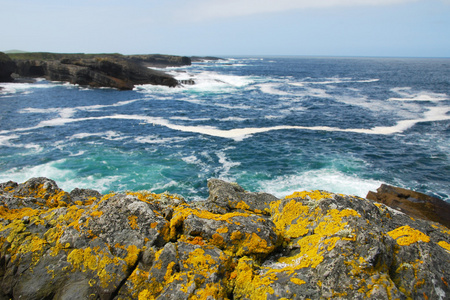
column 102, row 70
column 234, row 245
column 7, row 67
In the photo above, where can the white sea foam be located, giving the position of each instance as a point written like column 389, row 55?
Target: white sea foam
column 407, row 94
column 234, row 106
column 49, row 170
column 66, row 179
column 108, row 135
column 271, row 88
column 14, row 88
column 189, row 119
column 79, row 153
column 226, row 165
column 153, row 139
column 334, row 80
column 205, row 82
column 238, row 134
column 233, row 119
column 191, row 159
column 324, row 179
column 6, row 141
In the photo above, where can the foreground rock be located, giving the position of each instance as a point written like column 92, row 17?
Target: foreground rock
column 7, row 67
column 234, row 245
column 415, row 204
column 99, row 70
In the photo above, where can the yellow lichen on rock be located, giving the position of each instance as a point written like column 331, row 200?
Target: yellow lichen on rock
column 98, row 261
column 444, row 245
column 242, row 205
column 132, row 221
column 314, row 195
column 222, row 230
column 297, row 281
column 253, row 244
column 292, row 221
column 406, row 236
column 13, row 214
column 251, row 285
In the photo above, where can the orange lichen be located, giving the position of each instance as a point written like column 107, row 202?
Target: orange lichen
column 312, row 247
column 211, row 291
column 101, row 262
column 251, row 285
column 292, row 221
column 198, row 240
column 222, row 230
column 444, row 245
column 253, row 244
column 236, row 235
column 12, row 214
column 132, row 221
column 242, row 205
column 145, row 295
column 217, row 240
column 297, row 281
column 132, row 255
column 406, row 236
column 315, row 195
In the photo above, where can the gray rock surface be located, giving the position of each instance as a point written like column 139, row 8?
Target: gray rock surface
column 234, row 245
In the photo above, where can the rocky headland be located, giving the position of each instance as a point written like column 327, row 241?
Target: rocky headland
column 7, row 67
column 95, row 70
column 233, row 245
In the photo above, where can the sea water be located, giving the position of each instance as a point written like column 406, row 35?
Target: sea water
column 273, row 124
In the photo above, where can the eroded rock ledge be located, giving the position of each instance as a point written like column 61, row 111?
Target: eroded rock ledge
column 98, row 70
column 234, row 245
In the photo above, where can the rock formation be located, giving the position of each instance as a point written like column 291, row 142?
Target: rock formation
column 99, row 70
column 7, row 67
column 414, row 204
column 234, row 245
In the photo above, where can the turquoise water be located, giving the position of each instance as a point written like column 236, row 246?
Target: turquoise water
column 273, row 124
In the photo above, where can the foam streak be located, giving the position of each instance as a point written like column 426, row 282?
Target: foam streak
column 238, row 134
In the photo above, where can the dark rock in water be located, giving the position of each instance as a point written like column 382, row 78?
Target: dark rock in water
column 95, row 72
column 234, row 245
column 7, row 67
column 101, row 70
column 415, row 204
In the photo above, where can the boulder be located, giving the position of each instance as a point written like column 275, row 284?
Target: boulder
column 234, row 245
column 7, row 67
column 415, row 204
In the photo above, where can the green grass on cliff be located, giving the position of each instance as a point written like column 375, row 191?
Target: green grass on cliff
column 56, row 56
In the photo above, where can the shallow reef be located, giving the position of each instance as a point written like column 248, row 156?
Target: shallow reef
column 234, row 245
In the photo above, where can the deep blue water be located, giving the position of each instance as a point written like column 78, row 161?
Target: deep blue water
column 273, row 124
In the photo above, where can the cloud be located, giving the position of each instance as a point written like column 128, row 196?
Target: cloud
column 213, row 9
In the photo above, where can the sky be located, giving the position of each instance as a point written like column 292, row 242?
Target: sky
column 399, row 28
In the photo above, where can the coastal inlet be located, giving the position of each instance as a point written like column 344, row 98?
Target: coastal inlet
column 274, row 124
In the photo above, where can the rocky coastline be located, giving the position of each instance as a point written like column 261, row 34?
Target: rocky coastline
column 233, row 245
column 118, row 71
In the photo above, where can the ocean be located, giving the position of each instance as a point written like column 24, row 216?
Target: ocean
column 272, row 124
